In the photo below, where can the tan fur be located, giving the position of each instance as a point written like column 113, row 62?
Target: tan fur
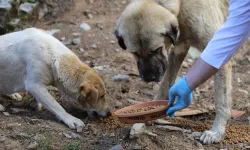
column 146, row 25
column 77, row 76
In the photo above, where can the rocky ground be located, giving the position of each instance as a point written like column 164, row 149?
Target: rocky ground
column 87, row 30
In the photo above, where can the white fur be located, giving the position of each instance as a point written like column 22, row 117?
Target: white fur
column 27, row 62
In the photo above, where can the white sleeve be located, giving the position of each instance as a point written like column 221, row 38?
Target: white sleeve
column 228, row 39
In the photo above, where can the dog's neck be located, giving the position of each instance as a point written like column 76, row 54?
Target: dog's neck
column 68, row 73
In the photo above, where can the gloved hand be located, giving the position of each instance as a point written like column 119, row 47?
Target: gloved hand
column 184, row 94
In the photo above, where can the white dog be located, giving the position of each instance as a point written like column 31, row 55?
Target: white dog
column 31, row 59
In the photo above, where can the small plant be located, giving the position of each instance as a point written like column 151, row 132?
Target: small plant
column 44, row 143
column 73, row 145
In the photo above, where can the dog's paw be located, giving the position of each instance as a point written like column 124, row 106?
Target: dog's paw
column 74, row 123
column 16, row 97
column 2, row 108
column 210, row 137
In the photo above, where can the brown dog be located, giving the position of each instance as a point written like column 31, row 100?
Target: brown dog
column 150, row 29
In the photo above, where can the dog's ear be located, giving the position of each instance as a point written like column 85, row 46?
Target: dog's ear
column 172, row 5
column 120, row 40
column 173, row 33
column 90, row 93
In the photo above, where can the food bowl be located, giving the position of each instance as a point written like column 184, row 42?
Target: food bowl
column 143, row 112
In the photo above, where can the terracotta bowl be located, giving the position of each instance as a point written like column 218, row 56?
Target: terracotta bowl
column 142, row 117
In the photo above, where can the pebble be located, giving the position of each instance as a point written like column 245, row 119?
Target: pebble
column 171, row 128
column 67, row 135
column 136, row 130
column 85, row 27
column 2, row 138
column 94, row 46
column 98, row 67
column 2, row 108
column 76, row 41
column 15, row 22
column 134, row 101
column 63, row 39
column 112, row 42
column 81, row 50
column 76, row 34
column 162, row 122
column 17, row 110
column 32, row 146
column 27, row 7
column 117, row 147
column 53, row 31
column 150, row 133
column 196, row 135
column 5, row 4
column 120, row 77
column 6, row 113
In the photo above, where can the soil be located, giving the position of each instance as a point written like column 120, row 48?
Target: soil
column 18, row 130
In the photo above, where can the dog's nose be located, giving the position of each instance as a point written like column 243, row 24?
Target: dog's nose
column 109, row 113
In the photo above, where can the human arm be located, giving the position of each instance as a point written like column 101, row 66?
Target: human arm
column 225, row 43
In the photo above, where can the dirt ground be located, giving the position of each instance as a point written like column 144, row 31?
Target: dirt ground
column 20, row 129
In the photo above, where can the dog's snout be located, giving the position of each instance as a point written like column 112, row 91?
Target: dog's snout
column 109, row 113
column 149, row 76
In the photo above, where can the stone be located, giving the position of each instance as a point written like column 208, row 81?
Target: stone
column 52, row 32
column 246, row 93
column 120, row 77
column 94, row 46
column 32, row 146
column 171, row 128
column 131, row 101
column 149, row 133
column 5, row 4
column 98, row 68
column 15, row 22
column 6, row 113
column 75, row 136
column 67, row 135
column 27, row 7
column 81, row 50
column 136, row 130
column 85, row 27
column 117, row 147
column 76, row 34
column 162, row 122
column 112, row 42
column 17, row 110
column 76, row 41
column 196, row 135
column 2, row 108
column 2, row 138
column 63, row 39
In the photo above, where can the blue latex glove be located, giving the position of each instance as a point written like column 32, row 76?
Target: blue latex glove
column 184, row 94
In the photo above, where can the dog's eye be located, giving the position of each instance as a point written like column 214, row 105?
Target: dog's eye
column 158, row 50
column 102, row 96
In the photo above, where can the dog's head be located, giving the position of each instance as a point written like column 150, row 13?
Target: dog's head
column 92, row 95
column 148, row 28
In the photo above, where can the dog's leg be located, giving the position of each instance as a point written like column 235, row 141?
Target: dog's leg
column 223, row 89
column 42, row 95
column 16, row 97
column 175, row 59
